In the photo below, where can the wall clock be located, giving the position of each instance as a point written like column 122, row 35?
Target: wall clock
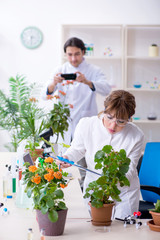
column 31, row 37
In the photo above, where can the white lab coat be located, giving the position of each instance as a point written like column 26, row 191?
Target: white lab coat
column 91, row 136
column 79, row 94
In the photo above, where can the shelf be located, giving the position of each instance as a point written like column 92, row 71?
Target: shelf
column 143, row 90
column 146, row 121
column 143, row 58
column 100, row 58
column 129, row 64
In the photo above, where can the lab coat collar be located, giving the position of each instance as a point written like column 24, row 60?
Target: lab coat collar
column 80, row 67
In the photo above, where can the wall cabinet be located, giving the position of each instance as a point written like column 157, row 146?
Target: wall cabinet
column 122, row 52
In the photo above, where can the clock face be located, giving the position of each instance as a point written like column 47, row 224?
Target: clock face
column 31, row 37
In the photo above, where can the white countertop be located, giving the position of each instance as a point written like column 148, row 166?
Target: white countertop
column 78, row 225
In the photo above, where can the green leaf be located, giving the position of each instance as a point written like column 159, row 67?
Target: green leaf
column 53, row 215
column 62, row 205
column 87, row 195
column 59, row 193
column 124, row 168
column 44, row 209
column 98, row 166
column 122, row 153
column 50, row 202
column 98, row 194
column 29, row 192
column 101, row 180
column 96, row 203
column 107, row 149
column 99, row 155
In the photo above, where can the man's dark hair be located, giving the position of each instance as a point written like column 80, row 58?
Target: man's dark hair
column 74, row 42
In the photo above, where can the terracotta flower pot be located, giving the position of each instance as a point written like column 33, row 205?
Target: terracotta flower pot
column 156, row 217
column 36, row 153
column 52, row 229
column 102, row 216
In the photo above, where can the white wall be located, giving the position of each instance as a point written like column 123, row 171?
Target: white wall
column 48, row 15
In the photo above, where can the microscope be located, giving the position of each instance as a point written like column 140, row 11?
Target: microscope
column 47, row 148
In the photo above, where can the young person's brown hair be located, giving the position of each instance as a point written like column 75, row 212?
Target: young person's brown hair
column 122, row 102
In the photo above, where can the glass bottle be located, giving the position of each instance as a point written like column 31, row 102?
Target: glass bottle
column 30, row 234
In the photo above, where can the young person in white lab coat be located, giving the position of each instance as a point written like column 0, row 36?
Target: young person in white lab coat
column 112, row 127
column 82, row 93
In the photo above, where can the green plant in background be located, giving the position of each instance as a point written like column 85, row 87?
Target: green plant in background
column 20, row 114
column 44, row 184
column 114, row 167
column 58, row 119
column 33, row 123
column 157, row 207
column 11, row 109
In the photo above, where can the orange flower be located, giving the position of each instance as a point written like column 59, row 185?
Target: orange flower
column 56, row 96
column 63, row 93
column 51, row 171
column 70, row 105
column 63, row 185
column 49, row 160
column 49, row 97
column 58, row 175
column 36, row 179
column 69, row 82
column 48, row 177
column 32, row 168
column 32, row 99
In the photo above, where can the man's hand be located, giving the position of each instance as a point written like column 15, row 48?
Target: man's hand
column 57, row 79
column 81, row 78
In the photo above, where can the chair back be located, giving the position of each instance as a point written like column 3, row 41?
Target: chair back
column 149, row 173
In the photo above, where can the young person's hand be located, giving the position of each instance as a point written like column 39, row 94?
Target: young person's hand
column 63, row 164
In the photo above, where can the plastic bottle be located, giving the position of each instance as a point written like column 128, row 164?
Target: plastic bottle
column 30, row 234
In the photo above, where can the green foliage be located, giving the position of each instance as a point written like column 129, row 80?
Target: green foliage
column 11, row 109
column 25, row 120
column 58, row 119
column 20, row 114
column 157, row 207
column 114, row 166
column 45, row 187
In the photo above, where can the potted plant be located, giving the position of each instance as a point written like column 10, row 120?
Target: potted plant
column 114, row 166
column 33, row 124
column 156, row 213
column 44, row 184
column 20, row 114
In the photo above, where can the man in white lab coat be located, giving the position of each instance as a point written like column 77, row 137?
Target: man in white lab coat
column 82, row 93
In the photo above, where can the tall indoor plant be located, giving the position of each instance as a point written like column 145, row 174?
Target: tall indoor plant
column 11, row 107
column 114, row 167
column 44, row 184
column 20, row 113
